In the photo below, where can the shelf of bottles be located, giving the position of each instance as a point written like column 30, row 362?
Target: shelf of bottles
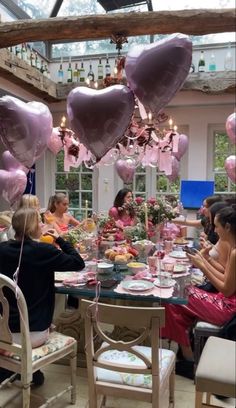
column 96, row 77
column 210, row 65
column 26, row 53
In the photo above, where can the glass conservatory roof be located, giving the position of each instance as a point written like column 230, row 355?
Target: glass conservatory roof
column 35, row 9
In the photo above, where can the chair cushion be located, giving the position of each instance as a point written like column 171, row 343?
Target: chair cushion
column 216, row 371
column 55, row 342
column 166, row 360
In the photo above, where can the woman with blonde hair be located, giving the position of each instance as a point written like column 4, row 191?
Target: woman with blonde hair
column 29, row 200
column 35, row 276
column 57, row 213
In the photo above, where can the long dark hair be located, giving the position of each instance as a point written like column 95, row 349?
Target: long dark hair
column 119, row 202
column 227, row 215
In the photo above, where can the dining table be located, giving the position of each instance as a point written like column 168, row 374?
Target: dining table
column 118, row 287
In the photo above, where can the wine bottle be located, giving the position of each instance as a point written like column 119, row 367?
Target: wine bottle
column 107, row 68
column 201, row 63
column 32, row 58
column 42, row 67
column 82, row 73
column 37, row 62
column 192, row 68
column 228, row 63
column 76, row 74
column 212, row 64
column 90, row 75
column 23, row 52
column 60, row 75
column 69, row 73
column 18, row 51
column 100, row 69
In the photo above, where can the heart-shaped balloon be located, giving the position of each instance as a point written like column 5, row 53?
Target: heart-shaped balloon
column 156, row 72
column 231, row 127
column 12, row 184
column 100, row 117
column 125, row 169
column 25, row 128
column 10, row 163
column 230, row 167
column 55, row 143
column 175, row 165
column 182, row 146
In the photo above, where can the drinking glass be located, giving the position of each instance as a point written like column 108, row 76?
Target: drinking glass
column 152, row 263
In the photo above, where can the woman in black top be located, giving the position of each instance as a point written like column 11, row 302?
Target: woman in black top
column 36, row 271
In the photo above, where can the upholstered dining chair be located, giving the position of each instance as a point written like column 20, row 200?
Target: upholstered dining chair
column 216, row 371
column 22, row 359
column 126, row 368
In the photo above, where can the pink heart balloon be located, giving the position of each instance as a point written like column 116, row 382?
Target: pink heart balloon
column 157, row 71
column 10, row 163
column 175, row 169
column 231, row 127
column 24, row 128
column 125, row 169
column 55, row 143
column 230, row 167
column 182, row 146
column 100, row 117
column 12, row 184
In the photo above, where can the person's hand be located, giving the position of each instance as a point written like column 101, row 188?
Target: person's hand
column 196, row 259
column 52, row 233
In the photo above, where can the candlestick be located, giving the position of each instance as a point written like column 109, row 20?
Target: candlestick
column 86, row 209
column 146, row 216
column 175, row 128
column 171, row 123
column 63, row 122
column 149, row 118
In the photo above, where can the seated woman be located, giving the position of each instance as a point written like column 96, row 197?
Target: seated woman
column 35, row 276
column 57, row 213
column 203, row 222
column 121, row 211
column 216, row 308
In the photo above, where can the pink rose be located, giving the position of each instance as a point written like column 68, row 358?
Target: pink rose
column 151, row 201
column 139, row 200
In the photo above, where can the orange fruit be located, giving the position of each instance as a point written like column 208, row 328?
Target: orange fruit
column 47, row 239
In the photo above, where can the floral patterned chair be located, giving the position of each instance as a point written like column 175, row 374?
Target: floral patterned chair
column 22, row 359
column 125, row 368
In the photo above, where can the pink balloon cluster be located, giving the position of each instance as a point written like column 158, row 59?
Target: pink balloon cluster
column 13, row 178
column 230, row 162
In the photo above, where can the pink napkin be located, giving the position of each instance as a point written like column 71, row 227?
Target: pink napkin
column 79, row 279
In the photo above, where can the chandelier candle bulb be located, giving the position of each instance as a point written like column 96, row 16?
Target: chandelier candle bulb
column 171, row 123
column 149, row 118
column 175, row 128
column 63, row 122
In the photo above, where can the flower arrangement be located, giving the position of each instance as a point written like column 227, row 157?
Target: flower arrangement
column 74, row 235
column 157, row 210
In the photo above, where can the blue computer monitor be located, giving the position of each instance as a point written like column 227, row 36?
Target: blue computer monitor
column 193, row 192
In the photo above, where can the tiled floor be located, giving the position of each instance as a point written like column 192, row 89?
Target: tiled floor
column 56, row 377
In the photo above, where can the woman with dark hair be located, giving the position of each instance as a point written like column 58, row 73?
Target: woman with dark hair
column 122, row 209
column 216, row 308
column 35, row 276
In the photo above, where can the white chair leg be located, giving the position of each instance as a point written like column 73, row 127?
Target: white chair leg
column 208, row 398
column 73, row 366
column 26, row 396
column 172, row 387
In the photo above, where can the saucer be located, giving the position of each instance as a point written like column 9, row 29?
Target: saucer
column 164, row 283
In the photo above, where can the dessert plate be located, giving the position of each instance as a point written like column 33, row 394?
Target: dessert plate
column 164, row 283
column 137, row 285
column 178, row 255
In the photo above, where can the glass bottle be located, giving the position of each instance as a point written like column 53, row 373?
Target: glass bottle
column 100, row 69
column 90, row 75
column 37, row 62
column 32, row 58
column 42, row 67
column 18, row 51
column 76, row 74
column 212, row 64
column 228, row 63
column 192, row 68
column 69, row 73
column 23, row 52
column 82, row 73
column 107, row 68
column 60, row 75
column 201, row 63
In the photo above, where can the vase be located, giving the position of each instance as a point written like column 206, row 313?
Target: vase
column 155, row 232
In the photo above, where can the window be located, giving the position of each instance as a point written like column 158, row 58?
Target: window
column 222, row 148
column 77, row 184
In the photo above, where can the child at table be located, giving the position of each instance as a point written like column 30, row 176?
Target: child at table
column 57, row 213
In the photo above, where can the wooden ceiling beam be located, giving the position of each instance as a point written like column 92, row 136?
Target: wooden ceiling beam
column 97, row 27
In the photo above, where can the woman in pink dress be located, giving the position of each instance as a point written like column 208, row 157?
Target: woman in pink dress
column 122, row 212
column 216, row 308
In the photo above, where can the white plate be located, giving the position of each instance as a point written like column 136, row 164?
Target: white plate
column 137, row 285
column 178, row 255
column 179, row 268
column 168, row 283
